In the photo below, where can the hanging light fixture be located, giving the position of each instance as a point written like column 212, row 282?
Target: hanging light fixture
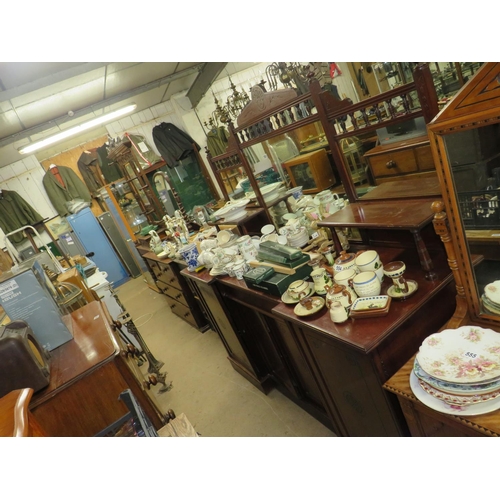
column 77, row 129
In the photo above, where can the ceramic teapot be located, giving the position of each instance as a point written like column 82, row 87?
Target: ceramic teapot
column 345, row 261
column 338, row 293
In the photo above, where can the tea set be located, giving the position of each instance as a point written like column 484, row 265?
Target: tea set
column 355, row 286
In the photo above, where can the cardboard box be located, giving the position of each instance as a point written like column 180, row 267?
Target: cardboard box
column 278, row 283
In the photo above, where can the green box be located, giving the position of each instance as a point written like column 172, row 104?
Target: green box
column 278, row 283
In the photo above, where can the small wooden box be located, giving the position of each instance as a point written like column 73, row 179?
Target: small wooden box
column 313, row 171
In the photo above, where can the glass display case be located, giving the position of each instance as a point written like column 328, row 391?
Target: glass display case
column 465, row 139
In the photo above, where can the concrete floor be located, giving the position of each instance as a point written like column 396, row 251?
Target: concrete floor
column 216, row 399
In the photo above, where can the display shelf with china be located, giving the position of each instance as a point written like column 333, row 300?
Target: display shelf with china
column 464, row 141
column 465, row 135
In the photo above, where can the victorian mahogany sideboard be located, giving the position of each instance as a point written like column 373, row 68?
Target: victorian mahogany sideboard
column 335, row 372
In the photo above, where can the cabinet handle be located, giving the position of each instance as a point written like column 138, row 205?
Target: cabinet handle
column 172, row 280
column 172, row 306
column 178, row 296
column 391, row 164
column 186, row 315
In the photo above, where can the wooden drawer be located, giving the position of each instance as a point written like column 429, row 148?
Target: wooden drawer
column 167, row 276
column 395, row 163
column 425, row 160
column 182, row 311
column 172, row 292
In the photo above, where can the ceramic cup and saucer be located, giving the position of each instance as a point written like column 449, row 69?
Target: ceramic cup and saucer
column 287, row 299
column 309, row 306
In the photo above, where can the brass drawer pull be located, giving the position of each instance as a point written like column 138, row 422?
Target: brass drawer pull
column 391, row 164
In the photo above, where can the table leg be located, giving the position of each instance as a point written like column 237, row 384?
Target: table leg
column 423, row 254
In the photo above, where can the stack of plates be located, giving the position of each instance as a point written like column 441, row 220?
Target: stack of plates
column 300, row 239
column 458, row 371
column 233, row 210
column 491, row 297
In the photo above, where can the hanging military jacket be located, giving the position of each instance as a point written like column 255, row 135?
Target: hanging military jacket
column 217, row 141
column 58, row 194
column 172, row 143
column 16, row 212
column 142, row 151
column 88, row 167
column 109, row 169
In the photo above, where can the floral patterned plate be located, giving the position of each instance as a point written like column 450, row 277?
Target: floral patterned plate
column 468, row 354
column 455, row 399
column 492, row 291
column 451, row 409
column 457, row 389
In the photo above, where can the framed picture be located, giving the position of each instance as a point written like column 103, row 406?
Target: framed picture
column 57, row 225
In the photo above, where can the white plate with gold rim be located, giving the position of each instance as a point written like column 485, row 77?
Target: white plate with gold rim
column 468, row 354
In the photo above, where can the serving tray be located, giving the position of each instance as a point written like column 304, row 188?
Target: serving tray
column 369, row 307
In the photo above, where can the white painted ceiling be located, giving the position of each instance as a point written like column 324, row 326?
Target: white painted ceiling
column 35, row 98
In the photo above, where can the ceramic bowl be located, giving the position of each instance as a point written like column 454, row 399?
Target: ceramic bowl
column 224, row 236
column 366, row 284
column 296, row 192
column 268, row 229
column 394, row 269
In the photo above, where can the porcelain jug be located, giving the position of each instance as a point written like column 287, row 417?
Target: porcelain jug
column 338, row 313
column 155, row 242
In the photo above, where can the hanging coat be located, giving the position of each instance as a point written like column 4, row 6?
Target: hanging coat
column 172, row 143
column 217, row 141
column 88, row 167
column 109, row 168
column 73, row 188
column 16, row 212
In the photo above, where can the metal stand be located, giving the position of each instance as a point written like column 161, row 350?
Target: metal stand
column 154, row 365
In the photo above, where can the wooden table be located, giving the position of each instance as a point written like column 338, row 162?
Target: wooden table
column 426, row 422
column 392, row 215
column 87, row 375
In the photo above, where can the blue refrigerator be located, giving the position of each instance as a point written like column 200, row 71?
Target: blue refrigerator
column 94, row 240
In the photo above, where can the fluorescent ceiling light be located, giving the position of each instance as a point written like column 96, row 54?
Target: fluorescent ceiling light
column 77, row 129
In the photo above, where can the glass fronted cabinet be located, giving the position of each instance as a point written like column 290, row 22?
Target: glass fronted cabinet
column 465, row 139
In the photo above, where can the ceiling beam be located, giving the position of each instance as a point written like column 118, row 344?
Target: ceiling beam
column 45, row 81
column 99, row 106
column 204, row 81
